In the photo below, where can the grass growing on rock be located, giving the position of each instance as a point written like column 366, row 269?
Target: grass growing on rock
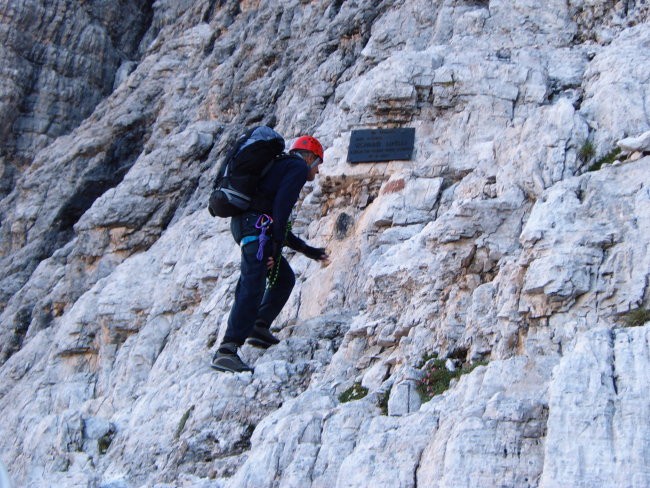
column 587, row 152
column 437, row 377
column 636, row 318
column 355, row 392
column 609, row 158
column 104, row 442
column 383, row 402
column 183, row 421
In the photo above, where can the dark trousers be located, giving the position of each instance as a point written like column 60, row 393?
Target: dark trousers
column 253, row 301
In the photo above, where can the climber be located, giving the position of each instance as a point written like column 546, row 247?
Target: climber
column 261, row 236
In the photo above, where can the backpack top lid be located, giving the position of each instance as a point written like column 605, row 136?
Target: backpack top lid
column 254, row 151
column 235, row 188
column 262, row 134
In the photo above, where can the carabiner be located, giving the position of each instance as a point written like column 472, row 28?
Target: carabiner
column 263, row 221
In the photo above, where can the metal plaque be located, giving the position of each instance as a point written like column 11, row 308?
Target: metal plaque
column 374, row 145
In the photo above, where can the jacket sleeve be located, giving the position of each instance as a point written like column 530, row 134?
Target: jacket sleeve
column 286, row 197
column 295, row 242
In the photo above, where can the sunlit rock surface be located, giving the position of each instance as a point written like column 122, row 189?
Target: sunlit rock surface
column 505, row 245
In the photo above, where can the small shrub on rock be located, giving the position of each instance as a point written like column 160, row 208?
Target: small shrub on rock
column 355, row 392
column 383, row 402
column 636, row 318
column 437, row 377
column 587, row 152
column 609, row 158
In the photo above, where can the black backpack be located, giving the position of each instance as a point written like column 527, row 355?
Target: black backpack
column 235, row 189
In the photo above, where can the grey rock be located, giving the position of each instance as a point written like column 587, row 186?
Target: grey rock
column 609, row 362
column 59, row 64
column 494, row 244
column 636, row 144
column 404, row 399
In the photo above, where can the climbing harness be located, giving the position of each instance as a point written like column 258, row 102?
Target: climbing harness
column 248, row 240
column 264, row 221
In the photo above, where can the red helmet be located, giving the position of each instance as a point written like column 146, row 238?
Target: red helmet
column 308, row 143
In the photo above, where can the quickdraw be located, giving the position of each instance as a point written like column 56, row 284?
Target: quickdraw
column 263, row 223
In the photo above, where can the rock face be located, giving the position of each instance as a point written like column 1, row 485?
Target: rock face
column 506, row 247
column 60, row 60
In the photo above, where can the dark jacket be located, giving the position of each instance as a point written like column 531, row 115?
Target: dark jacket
column 281, row 186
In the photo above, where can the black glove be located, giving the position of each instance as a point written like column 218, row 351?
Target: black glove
column 297, row 244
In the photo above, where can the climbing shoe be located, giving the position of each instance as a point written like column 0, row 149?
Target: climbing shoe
column 261, row 337
column 227, row 360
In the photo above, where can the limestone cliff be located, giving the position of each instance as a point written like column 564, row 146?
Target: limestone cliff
column 506, row 247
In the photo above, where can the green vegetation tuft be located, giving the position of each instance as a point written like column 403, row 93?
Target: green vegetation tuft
column 636, row 318
column 609, row 158
column 383, row 402
column 587, row 152
column 437, row 378
column 183, row 421
column 427, row 356
column 355, row 392
column 104, row 442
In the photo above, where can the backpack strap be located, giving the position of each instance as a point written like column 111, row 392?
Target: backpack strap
column 260, row 202
column 270, row 165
